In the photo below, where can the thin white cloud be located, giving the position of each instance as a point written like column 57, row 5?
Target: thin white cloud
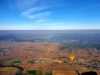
column 32, row 13
column 39, row 15
column 37, row 10
column 34, row 10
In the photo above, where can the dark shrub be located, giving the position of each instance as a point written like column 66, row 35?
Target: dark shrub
column 89, row 73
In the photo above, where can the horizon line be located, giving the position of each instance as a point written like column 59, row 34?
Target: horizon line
column 49, row 29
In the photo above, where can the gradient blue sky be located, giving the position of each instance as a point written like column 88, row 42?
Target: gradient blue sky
column 49, row 14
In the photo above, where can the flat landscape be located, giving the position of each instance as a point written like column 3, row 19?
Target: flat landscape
column 49, row 53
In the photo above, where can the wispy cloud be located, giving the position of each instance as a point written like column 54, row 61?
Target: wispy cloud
column 38, row 16
column 36, row 10
column 37, row 13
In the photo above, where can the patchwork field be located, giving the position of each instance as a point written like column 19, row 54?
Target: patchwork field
column 48, row 57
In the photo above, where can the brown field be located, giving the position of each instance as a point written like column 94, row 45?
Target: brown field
column 50, row 57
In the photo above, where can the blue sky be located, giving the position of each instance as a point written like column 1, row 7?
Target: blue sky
column 49, row 14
